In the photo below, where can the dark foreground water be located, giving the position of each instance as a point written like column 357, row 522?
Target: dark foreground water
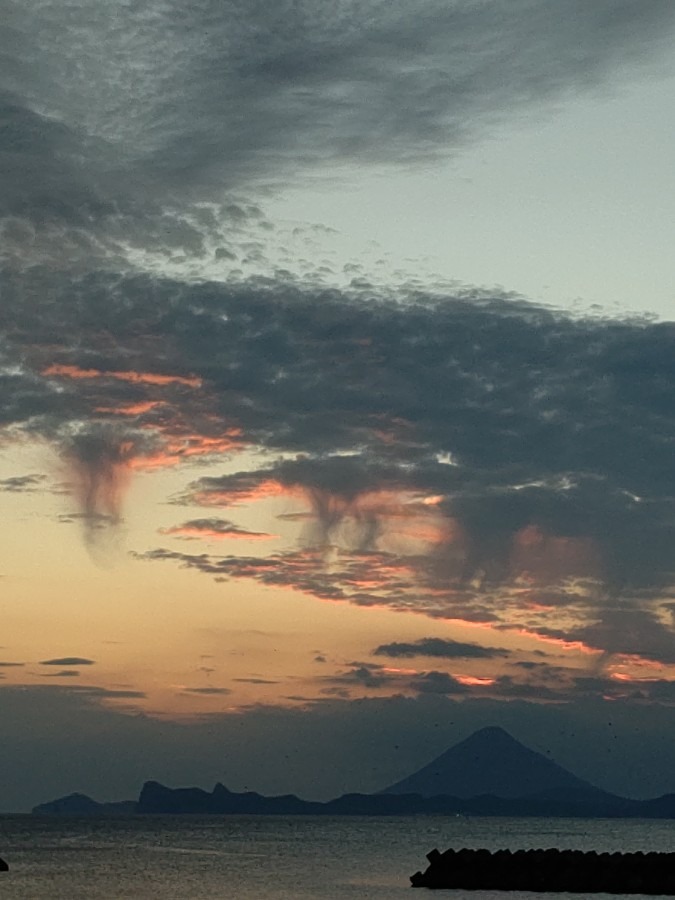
column 275, row 858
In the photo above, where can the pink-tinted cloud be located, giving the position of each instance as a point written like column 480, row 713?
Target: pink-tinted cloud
column 59, row 370
column 215, row 530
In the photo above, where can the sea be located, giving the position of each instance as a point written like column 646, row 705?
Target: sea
column 277, row 857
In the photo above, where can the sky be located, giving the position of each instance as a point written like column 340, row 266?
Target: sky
column 336, row 390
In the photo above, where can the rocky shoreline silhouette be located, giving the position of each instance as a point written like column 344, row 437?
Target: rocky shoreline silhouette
column 572, row 871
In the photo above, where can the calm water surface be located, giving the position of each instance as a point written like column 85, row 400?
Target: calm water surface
column 275, row 858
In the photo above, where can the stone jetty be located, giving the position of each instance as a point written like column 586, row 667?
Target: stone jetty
column 550, row 870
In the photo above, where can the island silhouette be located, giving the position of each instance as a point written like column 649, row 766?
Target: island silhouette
column 489, row 773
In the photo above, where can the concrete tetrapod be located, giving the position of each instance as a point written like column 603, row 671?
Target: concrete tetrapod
column 574, row 871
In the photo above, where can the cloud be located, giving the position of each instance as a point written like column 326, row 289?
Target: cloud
column 21, row 483
column 625, row 628
column 542, row 682
column 68, row 661
column 367, row 676
column 409, row 682
column 64, row 673
column 139, row 148
column 438, row 647
column 98, row 459
column 354, row 680
column 242, row 94
column 214, row 529
column 438, row 683
column 207, row 691
column 111, row 693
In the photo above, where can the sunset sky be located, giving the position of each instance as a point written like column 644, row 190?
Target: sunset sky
column 337, row 370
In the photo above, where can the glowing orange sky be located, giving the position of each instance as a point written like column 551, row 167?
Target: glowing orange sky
column 172, row 634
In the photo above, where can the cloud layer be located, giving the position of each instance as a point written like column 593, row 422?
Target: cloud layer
column 128, row 128
column 469, row 455
column 455, row 452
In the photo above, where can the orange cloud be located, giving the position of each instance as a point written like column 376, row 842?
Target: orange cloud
column 473, row 680
column 131, row 409
column 193, row 532
column 261, row 491
column 179, row 448
column 577, row 646
column 64, row 371
column 394, row 670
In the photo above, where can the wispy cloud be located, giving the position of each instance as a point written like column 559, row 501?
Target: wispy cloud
column 214, row 529
column 22, row 483
column 207, row 691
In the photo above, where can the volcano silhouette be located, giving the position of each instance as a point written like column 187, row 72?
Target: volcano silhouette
column 490, row 761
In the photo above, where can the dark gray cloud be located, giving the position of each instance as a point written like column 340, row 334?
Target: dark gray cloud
column 68, row 661
column 333, row 486
column 98, row 457
column 358, row 674
column 22, row 483
column 306, row 570
column 72, row 198
column 623, row 627
column 64, row 673
column 131, row 139
column 533, row 683
column 438, row 647
column 207, row 691
column 547, row 682
column 561, row 466
column 438, row 683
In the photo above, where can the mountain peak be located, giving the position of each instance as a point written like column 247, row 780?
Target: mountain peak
column 490, row 761
column 491, row 732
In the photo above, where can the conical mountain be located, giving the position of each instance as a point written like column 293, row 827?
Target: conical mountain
column 490, row 761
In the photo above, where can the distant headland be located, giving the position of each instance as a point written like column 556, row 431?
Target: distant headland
column 488, row 774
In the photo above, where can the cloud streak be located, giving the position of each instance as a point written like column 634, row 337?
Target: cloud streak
column 212, row 529
column 68, row 661
column 437, row 647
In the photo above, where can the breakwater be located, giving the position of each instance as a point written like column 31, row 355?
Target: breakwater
column 550, row 870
